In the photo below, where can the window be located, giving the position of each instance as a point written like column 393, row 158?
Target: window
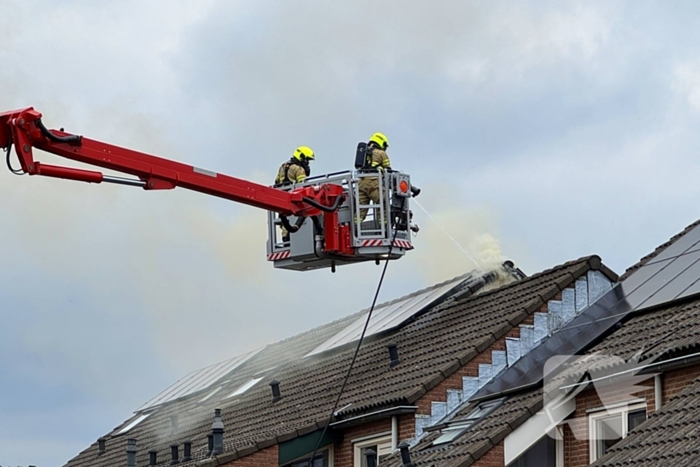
column 458, row 427
column 380, row 445
column 610, row 426
column 544, row 453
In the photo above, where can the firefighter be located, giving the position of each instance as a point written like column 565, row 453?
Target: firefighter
column 376, row 161
column 295, row 170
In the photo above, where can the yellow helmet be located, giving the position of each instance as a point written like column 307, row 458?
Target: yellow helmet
column 304, row 152
column 380, row 140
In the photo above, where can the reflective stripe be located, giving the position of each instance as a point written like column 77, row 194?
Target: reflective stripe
column 280, row 255
column 386, row 163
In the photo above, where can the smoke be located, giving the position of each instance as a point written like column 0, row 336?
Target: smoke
column 454, row 238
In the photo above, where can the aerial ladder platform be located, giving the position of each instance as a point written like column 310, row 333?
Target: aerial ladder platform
column 322, row 214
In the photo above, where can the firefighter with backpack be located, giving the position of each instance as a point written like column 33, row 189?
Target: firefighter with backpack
column 376, row 160
column 295, row 170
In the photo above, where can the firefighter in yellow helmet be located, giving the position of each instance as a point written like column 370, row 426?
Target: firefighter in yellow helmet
column 295, row 170
column 376, row 161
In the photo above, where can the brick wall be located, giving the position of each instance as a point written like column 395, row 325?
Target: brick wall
column 266, row 457
column 674, row 381
column 576, row 446
column 454, row 381
column 343, row 452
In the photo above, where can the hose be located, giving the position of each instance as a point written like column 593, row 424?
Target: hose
column 74, row 139
column 291, row 228
column 9, row 164
column 300, row 220
column 357, row 349
column 317, row 224
column 321, row 207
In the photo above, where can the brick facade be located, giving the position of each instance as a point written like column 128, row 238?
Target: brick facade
column 454, row 381
column 674, row 381
column 343, row 452
column 576, row 444
column 265, row 457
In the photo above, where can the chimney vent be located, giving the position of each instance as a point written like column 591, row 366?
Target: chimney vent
column 188, row 451
column 275, row 391
column 152, row 458
column 405, row 455
column 210, row 444
column 393, row 355
column 130, row 453
column 173, row 423
column 371, row 458
column 217, row 430
column 100, row 446
column 174, row 454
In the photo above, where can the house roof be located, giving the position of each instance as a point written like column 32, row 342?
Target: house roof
column 670, row 436
column 431, row 347
column 656, row 335
column 479, row 439
column 646, row 259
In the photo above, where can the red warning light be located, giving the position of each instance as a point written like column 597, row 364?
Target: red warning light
column 403, row 186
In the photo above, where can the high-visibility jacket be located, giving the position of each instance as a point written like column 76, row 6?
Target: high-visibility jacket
column 377, row 160
column 290, row 172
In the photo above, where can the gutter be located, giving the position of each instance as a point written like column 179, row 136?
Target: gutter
column 666, row 365
column 379, row 414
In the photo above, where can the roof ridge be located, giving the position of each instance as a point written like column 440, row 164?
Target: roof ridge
column 645, row 259
column 582, row 259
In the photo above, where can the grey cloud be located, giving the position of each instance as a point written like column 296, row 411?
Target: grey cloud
column 559, row 128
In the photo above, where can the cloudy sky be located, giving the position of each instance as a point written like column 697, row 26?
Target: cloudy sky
column 539, row 132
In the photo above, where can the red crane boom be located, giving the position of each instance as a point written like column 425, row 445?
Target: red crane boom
column 333, row 236
column 25, row 130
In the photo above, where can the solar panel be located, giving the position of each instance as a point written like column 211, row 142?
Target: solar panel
column 693, row 289
column 198, row 380
column 688, row 242
column 390, row 315
column 133, row 423
column 673, row 275
column 683, row 272
column 245, row 387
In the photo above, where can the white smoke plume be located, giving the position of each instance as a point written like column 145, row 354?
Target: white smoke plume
column 455, row 238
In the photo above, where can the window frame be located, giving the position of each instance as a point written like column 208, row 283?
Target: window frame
column 378, row 440
column 460, row 426
column 621, row 411
column 558, row 434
